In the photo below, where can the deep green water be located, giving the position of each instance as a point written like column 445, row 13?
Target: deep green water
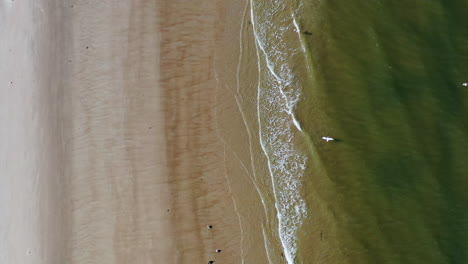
column 386, row 80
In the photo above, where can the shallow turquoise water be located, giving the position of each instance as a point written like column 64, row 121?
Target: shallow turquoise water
column 385, row 78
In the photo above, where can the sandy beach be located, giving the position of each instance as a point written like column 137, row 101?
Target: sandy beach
column 186, row 132
column 110, row 149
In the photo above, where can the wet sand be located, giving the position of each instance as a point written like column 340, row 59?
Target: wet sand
column 111, row 152
column 246, row 165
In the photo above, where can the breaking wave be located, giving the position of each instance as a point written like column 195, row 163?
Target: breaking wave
column 278, row 42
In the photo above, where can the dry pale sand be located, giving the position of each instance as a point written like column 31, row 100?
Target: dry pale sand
column 109, row 145
column 32, row 157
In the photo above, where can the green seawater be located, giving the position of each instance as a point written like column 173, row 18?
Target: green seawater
column 385, row 79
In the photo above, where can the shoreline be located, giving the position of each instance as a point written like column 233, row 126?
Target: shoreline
column 246, row 163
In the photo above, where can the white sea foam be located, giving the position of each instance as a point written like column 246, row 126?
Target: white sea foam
column 278, row 93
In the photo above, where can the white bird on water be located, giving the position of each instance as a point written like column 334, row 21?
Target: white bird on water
column 465, row 84
column 328, row 138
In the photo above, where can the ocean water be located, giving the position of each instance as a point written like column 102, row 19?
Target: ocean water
column 384, row 78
